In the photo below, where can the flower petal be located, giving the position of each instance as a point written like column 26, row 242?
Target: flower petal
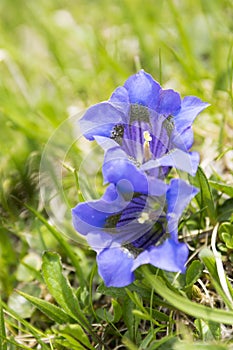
column 170, row 256
column 119, row 170
column 99, row 240
column 176, row 158
column 169, row 102
column 143, row 89
column 178, row 196
column 100, row 119
column 191, row 106
column 114, row 265
column 92, row 215
column 184, row 140
column 120, row 95
column 118, row 167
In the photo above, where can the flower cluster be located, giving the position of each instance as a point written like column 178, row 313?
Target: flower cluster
column 145, row 131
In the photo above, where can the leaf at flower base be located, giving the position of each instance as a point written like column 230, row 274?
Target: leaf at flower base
column 111, row 291
column 227, row 189
column 50, row 310
column 193, row 272
column 59, row 286
column 129, row 318
column 185, row 305
column 204, row 197
column 117, row 311
column 121, row 292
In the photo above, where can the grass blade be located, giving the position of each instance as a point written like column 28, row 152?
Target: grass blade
column 3, row 344
column 64, row 244
column 185, row 305
column 50, row 310
column 36, row 333
column 61, row 290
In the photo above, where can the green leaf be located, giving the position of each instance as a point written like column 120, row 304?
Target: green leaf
column 25, row 274
column 38, row 334
column 129, row 344
column 61, row 290
column 204, row 197
column 3, row 344
column 129, row 318
column 208, row 330
column 148, row 338
column 193, row 272
column 225, row 211
column 111, row 291
column 104, row 315
column 76, row 333
column 107, row 316
column 179, row 345
column 22, row 306
column 208, row 259
column 175, row 281
column 58, row 285
column 64, row 244
column 185, row 305
column 226, row 233
column 164, row 343
column 227, row 189
column 50, row 310
column 154, row 317
column 117, row 311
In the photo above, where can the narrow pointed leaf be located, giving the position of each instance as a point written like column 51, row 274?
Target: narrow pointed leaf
column 58, row 285
column 185, row 305
column 227, row 189
column 64, row 244
column 61, row 290
column 76, row 335
column 38, row 334
column 50, row 310
column 204, row 197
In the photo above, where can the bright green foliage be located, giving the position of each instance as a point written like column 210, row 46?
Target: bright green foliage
column 56, row 59
column 226, row 233
column 204, row 197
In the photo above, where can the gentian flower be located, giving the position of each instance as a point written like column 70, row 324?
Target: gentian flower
column 149, row 125
column 145, row 131
column 128, row 229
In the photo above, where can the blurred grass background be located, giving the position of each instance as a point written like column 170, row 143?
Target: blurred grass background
column 58, row 57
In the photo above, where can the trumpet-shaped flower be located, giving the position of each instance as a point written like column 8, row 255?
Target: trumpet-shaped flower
column 128, row 228
column 145, row 131
column 146, row 124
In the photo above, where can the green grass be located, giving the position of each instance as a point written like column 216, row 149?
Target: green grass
column 56, row 59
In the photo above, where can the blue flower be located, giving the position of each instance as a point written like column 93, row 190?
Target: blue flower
column 128, row 229
column 145, row 131
column 146, row 124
